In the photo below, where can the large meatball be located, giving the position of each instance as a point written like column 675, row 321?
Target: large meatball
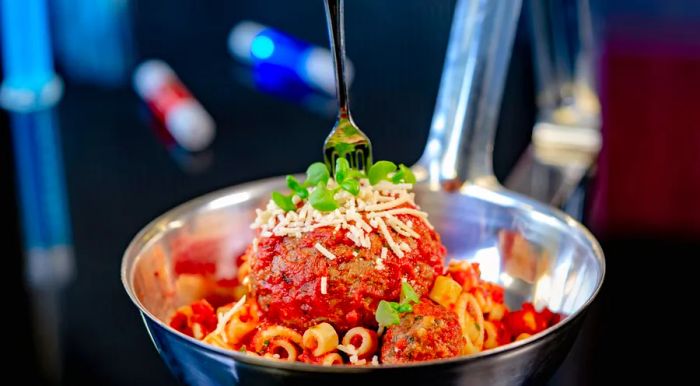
column 288, row 275
column 429, row 332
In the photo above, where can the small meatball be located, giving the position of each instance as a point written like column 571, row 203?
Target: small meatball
column 429, row 332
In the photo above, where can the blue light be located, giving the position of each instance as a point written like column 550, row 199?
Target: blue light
column 262, row 47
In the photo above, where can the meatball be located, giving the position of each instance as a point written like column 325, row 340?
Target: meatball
column 429, row 332
column 289, row 274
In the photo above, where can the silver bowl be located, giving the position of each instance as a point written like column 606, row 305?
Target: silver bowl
column 536, row 253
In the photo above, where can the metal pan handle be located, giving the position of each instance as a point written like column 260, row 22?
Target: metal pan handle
column 460, row 145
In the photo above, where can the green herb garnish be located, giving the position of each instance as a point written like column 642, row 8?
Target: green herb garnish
column 408, row 295
column 322, row 198
column 342, row 169
column 351, row 186
column 379, row 171
column 317, row 172
column 404, row 175
column 297, row 188
column 403, row 308
column 388, row 313
column 347, row 178
column 284, row 202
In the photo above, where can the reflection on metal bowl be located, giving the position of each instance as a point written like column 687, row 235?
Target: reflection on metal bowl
column 536, row 253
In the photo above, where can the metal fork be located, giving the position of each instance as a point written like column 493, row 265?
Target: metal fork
column 346, row 139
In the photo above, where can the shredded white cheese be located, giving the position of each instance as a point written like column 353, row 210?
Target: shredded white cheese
column 375, row 360
column 324, row 251
column 373, row 211
column 223, row 319
column 324, row 285
column 349, row 349
column 379, row 264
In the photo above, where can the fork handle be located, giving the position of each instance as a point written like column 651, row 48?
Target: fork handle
column 336, row 34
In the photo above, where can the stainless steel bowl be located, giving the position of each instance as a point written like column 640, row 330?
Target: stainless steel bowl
column 536, row 253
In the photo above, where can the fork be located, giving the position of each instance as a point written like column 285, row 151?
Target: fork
column 346, row 139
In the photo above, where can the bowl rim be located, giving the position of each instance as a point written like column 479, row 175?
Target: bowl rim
column 143, row 239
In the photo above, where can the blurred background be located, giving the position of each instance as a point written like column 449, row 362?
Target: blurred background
column 92, row 147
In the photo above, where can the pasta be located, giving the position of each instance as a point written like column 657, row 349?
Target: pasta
column 484, row 320
column 471, row 319
column 320, row 339
column 332, row 359
column 370, row 271
column 361, row 342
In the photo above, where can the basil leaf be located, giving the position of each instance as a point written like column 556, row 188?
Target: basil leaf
column 386, row 315
column 322, row 198
column 354, row 173
column 296, row 187
column 342, row 168
column 408, row 295
column 351, row 186
column 403, row 175
column 403, row 308
column 317, row 173
column 284, row 202
column 408, row 176
column 379, row 171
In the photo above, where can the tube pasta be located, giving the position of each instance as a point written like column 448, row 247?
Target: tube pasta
column 445, row 291
column 490, row 335
column 332, row 359
column 242, row 323
column 482, row 319
column 320, row 339
column 283, row 349
column 471, row 318
column 362, row 341
column 243, row 272
column 497, row 313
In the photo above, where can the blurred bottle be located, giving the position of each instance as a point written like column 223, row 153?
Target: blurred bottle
column 30, row 82
column 173, row 105
column 93, row 40
column 258, row 45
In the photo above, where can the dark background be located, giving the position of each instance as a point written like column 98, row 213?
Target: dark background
column 120, row 175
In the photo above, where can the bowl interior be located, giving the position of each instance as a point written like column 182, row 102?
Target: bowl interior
column 536, row 253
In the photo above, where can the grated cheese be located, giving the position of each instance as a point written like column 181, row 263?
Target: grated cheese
column 390, row 240
column 373, row 211
column 379, row 264
column 324, row 285
column 324, row 251
column 350, row 350
column 223, row 319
